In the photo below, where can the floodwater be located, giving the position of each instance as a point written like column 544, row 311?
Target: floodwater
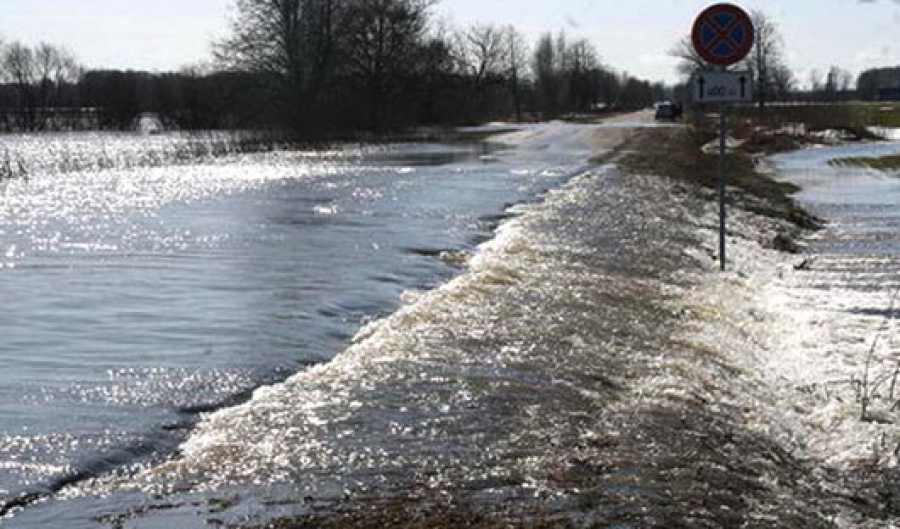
column 844, row 306
column 378, row 331
column 142, row 284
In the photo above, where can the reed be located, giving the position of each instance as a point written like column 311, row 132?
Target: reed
column 868, row 387
column 33, row 155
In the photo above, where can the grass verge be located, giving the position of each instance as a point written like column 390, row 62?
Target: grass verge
column 887, row 115
column 885, row 163
column 853, row 117
column 676, row 153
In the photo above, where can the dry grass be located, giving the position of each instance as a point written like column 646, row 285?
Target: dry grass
column 676, row 153
column 886, row 115
column 886, row 163
column 849, row 117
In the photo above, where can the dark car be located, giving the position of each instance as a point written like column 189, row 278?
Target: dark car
column 667, row 111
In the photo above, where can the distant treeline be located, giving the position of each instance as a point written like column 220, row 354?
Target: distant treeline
column 325, row 67
column 115, row 100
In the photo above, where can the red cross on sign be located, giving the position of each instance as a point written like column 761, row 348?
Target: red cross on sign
column 723, row 34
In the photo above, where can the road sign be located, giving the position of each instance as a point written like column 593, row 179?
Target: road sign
column 723, row 34
column 723, row 87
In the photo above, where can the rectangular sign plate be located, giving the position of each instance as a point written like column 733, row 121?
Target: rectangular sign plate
column 723, row 87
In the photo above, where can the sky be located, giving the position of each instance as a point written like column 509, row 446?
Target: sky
column 630, row 35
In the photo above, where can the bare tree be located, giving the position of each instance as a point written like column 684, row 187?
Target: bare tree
column 482, row 53
column 20, row 67
column 382, row 41
column 435, row 66
column 569, row 77
column 516, row 62
column 837, row 83
column 54, row 67
column 689, row 61
column 766, row 60
column 783, row 80
column 846, row 81
column 19, row 64
column 39, row 76
column 583, row 82
column 815, row 81
column 292, row 41
column 547, row 67
column 493, row 59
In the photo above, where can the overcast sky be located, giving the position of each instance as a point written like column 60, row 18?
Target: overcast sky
column 631, row 35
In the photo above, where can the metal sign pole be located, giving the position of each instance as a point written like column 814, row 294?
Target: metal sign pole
column 723, row 130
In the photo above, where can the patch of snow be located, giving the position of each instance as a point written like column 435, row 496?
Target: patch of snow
column 888, row 133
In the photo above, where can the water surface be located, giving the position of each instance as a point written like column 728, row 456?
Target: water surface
column 144, row 282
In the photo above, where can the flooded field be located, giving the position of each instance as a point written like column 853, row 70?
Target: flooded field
column 138, row 294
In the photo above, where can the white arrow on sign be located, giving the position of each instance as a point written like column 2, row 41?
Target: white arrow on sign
column 723, row 87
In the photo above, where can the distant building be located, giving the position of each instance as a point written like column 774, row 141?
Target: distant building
column 879, row 84
column 889, row 94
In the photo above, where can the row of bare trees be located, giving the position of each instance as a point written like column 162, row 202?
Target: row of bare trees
column 377, row 64
column 42, row 88
column 569, row 77
column 325, row 67
column 37, row 83
column 189, row 99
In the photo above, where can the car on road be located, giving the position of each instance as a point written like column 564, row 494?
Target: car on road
column 667, row 111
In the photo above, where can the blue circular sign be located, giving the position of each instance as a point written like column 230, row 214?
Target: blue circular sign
column 723, row 34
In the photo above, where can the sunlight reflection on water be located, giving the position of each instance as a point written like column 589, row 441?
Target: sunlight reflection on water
column 154, row 285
